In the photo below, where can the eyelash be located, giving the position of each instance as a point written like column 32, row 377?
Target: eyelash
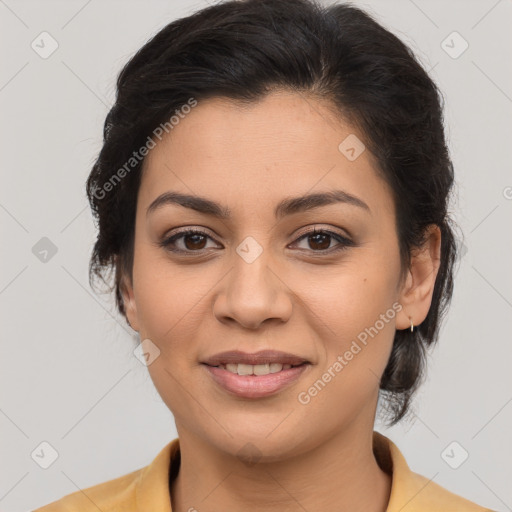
column 344, row 242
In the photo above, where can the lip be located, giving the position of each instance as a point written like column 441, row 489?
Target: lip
column 255, row 386
column 261, row 357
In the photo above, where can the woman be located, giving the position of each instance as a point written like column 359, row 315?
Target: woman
column 272, row 194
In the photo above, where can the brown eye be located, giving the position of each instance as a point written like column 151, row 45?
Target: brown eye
column 195, row 241
column 320, row 241
column 192, row 240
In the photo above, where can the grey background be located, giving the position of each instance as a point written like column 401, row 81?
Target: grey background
column 68, row 373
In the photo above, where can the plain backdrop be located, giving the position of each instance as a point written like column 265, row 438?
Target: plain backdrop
column 68, row 373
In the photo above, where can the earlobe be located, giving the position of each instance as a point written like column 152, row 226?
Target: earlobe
column 130, row 306
column 418, row 290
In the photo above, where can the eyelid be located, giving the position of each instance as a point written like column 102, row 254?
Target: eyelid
column 188, row 229
column 166, row 240
column 324, row 228
column 343, row 244
column 344, row 241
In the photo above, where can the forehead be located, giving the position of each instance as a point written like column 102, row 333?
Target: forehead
column 247, row 156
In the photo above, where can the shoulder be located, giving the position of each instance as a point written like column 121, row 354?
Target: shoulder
column 146, row 488
column 425, row 494
column 115, row 495
column 412, row 492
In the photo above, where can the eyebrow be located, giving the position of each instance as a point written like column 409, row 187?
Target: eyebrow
column 286, row 207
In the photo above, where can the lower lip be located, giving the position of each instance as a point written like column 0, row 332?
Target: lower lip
column 255, row 386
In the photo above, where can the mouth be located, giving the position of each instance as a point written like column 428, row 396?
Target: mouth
column 256, row 369
column 256, row 375
column 261, row 358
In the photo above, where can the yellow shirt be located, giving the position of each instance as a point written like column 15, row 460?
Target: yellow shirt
column 147, row 489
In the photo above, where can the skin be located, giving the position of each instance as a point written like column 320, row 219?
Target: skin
column 315, row 456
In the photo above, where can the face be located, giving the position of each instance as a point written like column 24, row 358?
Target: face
column 256, row 281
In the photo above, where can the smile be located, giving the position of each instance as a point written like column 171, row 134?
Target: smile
column 255, row 381
column 255, row 369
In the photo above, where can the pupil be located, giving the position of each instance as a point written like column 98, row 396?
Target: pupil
column 194, row 242
column 322, row 236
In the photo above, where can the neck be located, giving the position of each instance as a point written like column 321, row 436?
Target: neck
column 210, row 479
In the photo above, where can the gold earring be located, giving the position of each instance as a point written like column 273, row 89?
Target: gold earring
column 412, row 325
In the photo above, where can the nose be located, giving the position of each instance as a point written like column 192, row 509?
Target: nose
column 253, row 293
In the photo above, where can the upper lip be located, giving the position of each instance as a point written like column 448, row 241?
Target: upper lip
column 261, row 357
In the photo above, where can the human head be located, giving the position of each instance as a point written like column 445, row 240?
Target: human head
column 244, row 51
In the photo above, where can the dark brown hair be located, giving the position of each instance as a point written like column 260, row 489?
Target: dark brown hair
column 244, row 49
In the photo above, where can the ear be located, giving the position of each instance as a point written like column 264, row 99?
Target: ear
column 416, row 294
column 130, row 307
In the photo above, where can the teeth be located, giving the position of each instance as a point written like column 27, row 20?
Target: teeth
column 244, row 369
column 276, row 367
column 255, row 369
column 261, row 369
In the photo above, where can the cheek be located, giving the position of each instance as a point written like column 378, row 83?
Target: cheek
column 357, row 325
column 354, row 310
column 352, row 296
column 168, row 296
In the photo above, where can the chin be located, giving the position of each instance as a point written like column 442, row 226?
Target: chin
column 258, row 444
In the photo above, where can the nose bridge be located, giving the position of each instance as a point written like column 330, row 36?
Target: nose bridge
column 252, row 292
column 251, row 267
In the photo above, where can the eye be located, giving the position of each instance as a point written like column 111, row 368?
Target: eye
column 320, row 241
column 193, row 241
